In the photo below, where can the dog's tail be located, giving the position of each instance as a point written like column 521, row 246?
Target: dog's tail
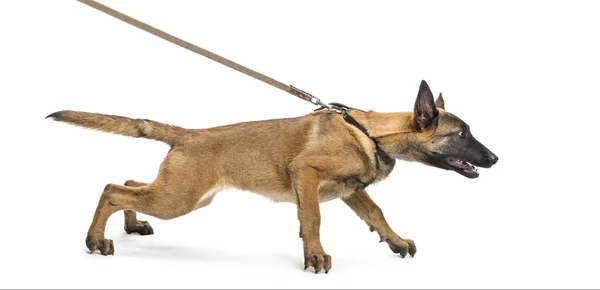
column 137, row 128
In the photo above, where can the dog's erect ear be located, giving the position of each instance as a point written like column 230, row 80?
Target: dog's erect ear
column 439, row 102
column 425, row 114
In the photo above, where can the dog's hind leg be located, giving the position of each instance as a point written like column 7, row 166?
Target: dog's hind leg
column 151, row 200
column 132, row 224
column 368, row 211
column 113, row 199
column 176, row 191
column 161, row 199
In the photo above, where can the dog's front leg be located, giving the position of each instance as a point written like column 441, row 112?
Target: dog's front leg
column 368, row 211
column 305, row 182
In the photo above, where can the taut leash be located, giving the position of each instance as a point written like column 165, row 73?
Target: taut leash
column 201, row 51
column 333, row 107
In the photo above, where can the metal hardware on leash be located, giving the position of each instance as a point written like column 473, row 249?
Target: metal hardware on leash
column 330, row 107
column 201, row 51
column 314, row 100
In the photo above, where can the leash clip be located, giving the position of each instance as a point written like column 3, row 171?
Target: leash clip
column 332, row 107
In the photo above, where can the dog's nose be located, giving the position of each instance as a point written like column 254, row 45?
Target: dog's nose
column 494, row 159
column 490, row 158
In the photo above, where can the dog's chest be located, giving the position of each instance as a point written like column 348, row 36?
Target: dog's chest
column 384, row 169
column 344, row 187
column 332, row 189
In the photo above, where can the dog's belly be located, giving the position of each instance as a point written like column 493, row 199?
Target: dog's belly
column 207, row 197
column 279, row 196
column 283, row 192
column 328, row 190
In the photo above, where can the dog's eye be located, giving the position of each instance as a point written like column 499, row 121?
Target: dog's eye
column 461, row 133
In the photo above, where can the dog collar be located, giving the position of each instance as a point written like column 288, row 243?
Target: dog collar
column 343, row 109
column 350, row 120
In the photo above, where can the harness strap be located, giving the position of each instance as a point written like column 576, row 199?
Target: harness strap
column 350, row 120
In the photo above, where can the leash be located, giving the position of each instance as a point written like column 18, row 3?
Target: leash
column 333, row 107
column 201, row 51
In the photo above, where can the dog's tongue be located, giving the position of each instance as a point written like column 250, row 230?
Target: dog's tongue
column 459, row 163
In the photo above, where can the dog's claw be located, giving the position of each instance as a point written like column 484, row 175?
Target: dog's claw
column 401, row 246
column 319, row 261
column 105, row 246
column 412, row 248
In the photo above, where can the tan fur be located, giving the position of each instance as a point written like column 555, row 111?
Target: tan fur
column 121, row 125
column 305, row 160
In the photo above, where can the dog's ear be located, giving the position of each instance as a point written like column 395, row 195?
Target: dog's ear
column 425, row 113
column 439, row 102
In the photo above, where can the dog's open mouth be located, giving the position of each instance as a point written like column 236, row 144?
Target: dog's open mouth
column 463, row 167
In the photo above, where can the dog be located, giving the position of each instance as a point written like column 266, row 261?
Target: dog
column 307, row 160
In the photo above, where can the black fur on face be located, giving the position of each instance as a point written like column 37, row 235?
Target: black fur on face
column 445, row 141
column 453, row 147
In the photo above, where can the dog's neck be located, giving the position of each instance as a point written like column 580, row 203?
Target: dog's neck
column 388, row 129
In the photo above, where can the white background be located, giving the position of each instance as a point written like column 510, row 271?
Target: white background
column 523, row 74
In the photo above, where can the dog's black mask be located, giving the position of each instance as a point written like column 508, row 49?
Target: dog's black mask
column 451, row 145
column 461, row 152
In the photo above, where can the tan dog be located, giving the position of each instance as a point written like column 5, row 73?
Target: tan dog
column 306, row 160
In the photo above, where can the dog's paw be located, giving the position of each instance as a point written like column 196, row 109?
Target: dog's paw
column 143, row 228
column 319, row 261
column 105, row 246
column 412, row 248
column 401, row 246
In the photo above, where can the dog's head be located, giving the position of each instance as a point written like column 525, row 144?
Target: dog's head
column 443, row 140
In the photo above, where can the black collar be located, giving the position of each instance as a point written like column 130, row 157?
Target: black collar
column 384, row 156
column 350, row 120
